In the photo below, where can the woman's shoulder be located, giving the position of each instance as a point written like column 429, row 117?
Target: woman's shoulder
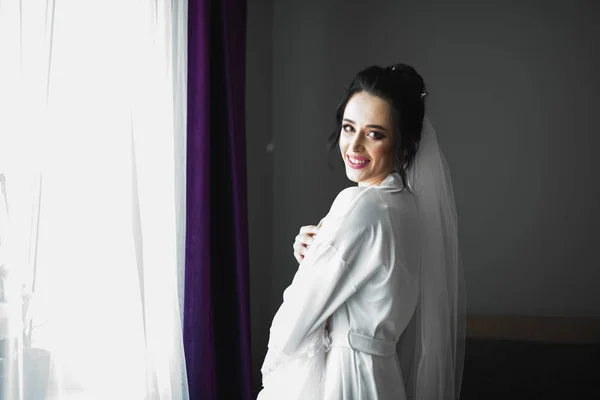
column 359, row 202
column 358, row 218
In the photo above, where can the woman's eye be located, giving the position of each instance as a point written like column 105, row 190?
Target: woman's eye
column 373, row 134
column 376, row 135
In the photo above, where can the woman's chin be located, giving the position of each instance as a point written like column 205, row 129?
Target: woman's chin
column 354, row 175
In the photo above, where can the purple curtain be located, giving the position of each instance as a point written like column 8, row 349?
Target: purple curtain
column 216, row 309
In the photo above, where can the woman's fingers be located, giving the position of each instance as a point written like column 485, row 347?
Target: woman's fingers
column 304, row 239
column 309, row 229
column 301, row 244
column 298, row 255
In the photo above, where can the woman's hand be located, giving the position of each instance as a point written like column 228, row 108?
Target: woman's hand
column 304, row 239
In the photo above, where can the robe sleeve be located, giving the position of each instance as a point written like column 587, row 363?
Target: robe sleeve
column 333, row 270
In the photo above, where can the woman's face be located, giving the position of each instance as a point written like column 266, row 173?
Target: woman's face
column 367, row 139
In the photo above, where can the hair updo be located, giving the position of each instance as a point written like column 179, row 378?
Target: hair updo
column 404, row 89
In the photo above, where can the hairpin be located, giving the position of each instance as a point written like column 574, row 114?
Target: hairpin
column 423, row 95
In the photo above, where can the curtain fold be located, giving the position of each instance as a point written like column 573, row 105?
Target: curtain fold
column 95, row 95
column 216, row 311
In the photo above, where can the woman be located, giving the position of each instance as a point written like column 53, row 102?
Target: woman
column 375, row 308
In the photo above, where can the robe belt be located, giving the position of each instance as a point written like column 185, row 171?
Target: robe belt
column 365, row 344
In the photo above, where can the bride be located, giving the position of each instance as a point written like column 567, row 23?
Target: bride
column 376, row 308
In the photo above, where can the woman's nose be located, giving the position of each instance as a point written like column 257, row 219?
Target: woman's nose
column 356, row 144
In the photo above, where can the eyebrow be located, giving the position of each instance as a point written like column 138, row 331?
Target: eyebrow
column 369, row 126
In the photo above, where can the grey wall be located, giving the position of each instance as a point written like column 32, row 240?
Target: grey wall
column 259, row 173
column 513, row 94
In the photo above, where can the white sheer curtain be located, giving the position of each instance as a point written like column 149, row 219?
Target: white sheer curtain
column 92, row 138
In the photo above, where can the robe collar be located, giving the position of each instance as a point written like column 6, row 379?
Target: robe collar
column 393, row 180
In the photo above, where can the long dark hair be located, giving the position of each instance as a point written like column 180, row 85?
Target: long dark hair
column 404, row 89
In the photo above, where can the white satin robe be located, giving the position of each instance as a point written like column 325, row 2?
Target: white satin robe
column 360, row 275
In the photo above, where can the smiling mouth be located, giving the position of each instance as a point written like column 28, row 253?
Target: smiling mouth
column 356, row 163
